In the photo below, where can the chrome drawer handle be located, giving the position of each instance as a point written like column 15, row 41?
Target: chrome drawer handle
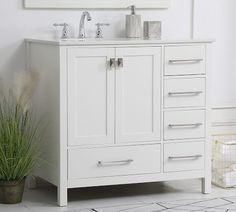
column 190, row 93
column 187, row 61
column 190, row 157
column 185, row 125
column 115, row 163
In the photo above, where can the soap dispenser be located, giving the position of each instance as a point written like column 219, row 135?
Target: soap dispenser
column 133, row 24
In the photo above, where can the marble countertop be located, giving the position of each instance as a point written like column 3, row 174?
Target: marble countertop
column 111, row 41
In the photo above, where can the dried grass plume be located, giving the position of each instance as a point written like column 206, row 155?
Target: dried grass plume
column 24, row 87
column 1, row 89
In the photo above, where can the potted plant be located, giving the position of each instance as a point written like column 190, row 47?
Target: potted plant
column 19, row 136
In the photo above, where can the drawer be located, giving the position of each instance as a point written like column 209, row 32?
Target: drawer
column 184, row 156
column 113, row 161
column 184, row 124
column 184, row 92
column 184, row 60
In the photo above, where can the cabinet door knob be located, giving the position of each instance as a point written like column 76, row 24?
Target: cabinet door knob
column 120, row 63
column 112, row 63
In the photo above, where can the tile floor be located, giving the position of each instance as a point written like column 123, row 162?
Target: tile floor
column 176, row 196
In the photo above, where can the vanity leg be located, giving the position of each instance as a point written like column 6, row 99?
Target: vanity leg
column 62, row 196
column 206, row 185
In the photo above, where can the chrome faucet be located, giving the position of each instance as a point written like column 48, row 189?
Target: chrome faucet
column 81, row 25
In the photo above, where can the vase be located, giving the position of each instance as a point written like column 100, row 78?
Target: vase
column 11, row 192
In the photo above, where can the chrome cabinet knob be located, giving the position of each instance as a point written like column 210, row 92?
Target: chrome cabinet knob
column 120, row 63
column 112, row 63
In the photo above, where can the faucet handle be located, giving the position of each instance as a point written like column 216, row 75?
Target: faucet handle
column 65, row 30
column 99, row 29
column 102, row 24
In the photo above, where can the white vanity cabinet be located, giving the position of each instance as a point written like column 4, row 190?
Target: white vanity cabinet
column 123, row 111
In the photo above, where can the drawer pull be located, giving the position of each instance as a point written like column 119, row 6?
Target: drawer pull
column 187, row 61
column 190, row 93
column 190, row 157
column 185, row 125
column 114, row 163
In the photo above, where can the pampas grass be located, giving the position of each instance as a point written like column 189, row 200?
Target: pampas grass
column 1, row 89
column 19, row 129
column 24, row 86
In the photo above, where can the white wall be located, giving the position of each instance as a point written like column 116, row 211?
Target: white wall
column 214, row 19
column 17, row 23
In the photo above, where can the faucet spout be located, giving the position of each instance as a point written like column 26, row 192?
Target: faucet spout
column 81, row 25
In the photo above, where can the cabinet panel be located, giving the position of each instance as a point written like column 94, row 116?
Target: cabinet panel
column 138, row 91
column 90, row 96
column 184, row 156
column 185, row 60
column 113, row 161
column 184, row 124
column 184, row 92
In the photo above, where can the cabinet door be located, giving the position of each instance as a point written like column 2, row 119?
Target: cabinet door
column 90, row 96
column 138, row 91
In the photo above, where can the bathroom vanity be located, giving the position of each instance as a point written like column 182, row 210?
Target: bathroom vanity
column 123, row 111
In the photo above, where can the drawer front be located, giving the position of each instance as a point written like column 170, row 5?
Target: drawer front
column 184, row 92
column 184, row 124
column 113, row 161
column 184, row 60
column 184, row 156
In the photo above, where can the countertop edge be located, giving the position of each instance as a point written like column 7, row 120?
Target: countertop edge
column 119, row 41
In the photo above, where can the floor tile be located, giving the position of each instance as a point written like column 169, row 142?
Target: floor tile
column 176, row 196
column 108, row 209
column 228, row 206
column 211, row 203
column 230, row 199
column 174, row 210
column 14, row 208
column 134, row 208
column 184, row 201
column 167, row 205
column 188, row 208
column 211, row 210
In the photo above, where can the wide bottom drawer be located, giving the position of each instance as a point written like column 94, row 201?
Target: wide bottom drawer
column 113, row 161
column 186, row 156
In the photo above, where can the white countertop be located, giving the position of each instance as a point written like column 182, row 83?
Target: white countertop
column 111, row 41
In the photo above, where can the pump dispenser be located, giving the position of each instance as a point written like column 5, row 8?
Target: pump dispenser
column 133, row 24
